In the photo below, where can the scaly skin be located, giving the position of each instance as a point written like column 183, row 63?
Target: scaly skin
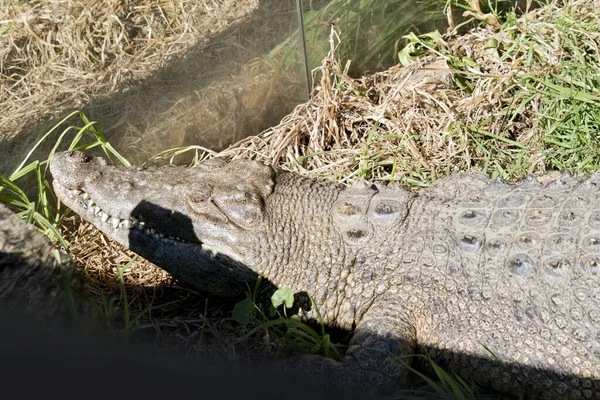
column 499, row 283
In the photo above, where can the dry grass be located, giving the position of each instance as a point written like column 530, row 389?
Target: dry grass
column 57, row 54
column 226, row 111
column 414, row 124
column 154, row 74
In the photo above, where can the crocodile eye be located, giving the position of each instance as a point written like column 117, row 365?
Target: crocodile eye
column 198, row 198
column 200, row 194
column 385, row 209
column 244, row 208
column 79, row 157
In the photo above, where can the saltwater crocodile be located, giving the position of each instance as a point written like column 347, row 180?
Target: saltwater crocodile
column 497, row 282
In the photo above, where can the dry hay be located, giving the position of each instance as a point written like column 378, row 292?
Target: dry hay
column 413, row 124
column 57, row 54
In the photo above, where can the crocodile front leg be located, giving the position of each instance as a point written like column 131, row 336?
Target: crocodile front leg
column 374, row 363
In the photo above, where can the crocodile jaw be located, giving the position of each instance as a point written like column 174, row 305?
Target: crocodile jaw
column 153, row 223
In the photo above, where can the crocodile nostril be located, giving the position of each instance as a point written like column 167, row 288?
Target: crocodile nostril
column 79, row 157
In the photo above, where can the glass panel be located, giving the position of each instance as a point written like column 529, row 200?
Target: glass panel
column 154, row 74
column 370, row 30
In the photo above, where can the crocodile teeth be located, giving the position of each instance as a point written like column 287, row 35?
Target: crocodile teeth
column 115, row 222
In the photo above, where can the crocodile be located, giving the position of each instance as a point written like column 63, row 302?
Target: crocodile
column 497, row 282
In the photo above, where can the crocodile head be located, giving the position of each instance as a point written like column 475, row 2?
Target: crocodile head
column 196, row 223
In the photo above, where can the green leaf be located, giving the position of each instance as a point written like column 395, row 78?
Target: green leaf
column 463, row 83
column 242, row 311
column 491, row 44
column 283, row 295
column 468, row 62
column 417, row 46
column 404, row 57
column 431, row 38
column 411, row 37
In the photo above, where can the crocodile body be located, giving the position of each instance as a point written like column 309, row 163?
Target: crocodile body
column 499, row 283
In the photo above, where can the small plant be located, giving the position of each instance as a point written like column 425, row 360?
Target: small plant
column 299, row 336
column 43, row 212
column 418, row 46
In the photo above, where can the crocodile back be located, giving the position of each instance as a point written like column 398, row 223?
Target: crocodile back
column 509, row 274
